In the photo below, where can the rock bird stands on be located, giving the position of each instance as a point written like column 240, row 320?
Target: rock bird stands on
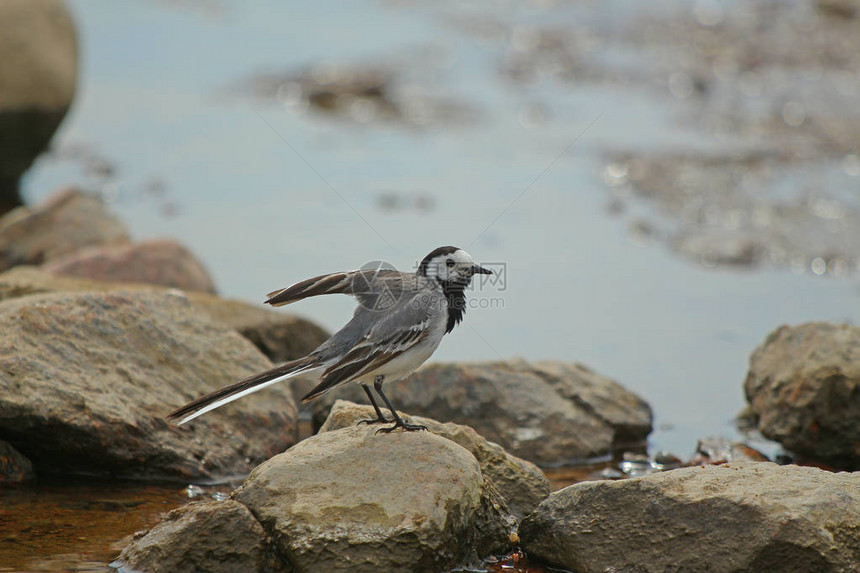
column 400, row 320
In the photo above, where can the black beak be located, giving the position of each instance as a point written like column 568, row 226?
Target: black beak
column 477, row 270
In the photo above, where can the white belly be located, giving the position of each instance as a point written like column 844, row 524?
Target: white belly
column 408, row 362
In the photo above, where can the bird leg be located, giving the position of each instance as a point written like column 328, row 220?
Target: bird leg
column 380, row 418
column 398, row 421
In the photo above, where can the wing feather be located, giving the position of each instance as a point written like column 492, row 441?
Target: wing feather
column 367, row 285
column 388, row 339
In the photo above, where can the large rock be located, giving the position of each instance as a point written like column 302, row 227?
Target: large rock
column 347, row 500
column 548, row 413
column 803, row 388
column 86, row 379
column 38, row 71
column 520, row 483
column 278, row 335
column 627, row 414
column 66, row 222
column 160, row 262
column 215, row 536
column 739, row 517
column 354, row 500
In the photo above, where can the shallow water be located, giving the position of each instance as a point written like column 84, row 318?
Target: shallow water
column 270, row 193
column 54, row 526
column 175, row 127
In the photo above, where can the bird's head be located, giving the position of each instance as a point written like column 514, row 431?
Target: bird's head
column 450, row 265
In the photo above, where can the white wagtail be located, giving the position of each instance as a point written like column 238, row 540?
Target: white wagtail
column 400, row 320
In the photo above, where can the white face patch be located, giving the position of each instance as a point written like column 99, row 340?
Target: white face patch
column 456, row 266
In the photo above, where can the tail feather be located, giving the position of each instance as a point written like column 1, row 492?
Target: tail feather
column 242, row 388
column 316, row 392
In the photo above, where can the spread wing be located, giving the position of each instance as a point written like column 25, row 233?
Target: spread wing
column 370, row 286
column 396, row 332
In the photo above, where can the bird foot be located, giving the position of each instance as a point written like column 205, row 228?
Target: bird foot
column 380, row 420
column 399, row 423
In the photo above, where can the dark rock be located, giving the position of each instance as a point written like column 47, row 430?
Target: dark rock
column 160, row 262
column 14, row 467
column 215, row 536
column 68, row 221
column 803, row 388
column 361, row 93
column 278, row 335
column 38, row 67
column 627, row 414
column 354, row 500
column 749, row 516
column 86, row 378
column 520, row 483
column 548, row 413
column 720, row 248
column 846, row 9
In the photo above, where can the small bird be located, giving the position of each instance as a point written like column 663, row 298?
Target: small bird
column 399, row 322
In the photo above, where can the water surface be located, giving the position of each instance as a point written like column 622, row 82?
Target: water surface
column 267, row 192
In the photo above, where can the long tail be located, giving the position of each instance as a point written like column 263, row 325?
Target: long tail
column 242, row 388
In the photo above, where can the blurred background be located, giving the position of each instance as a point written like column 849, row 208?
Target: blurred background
column 662, row 184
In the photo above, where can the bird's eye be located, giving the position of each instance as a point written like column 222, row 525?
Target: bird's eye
column 449, row 263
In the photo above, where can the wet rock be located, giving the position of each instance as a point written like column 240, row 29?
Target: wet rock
column 847, row 9
column 719, row 248
column 278, row 335
column 67, row 221
column 360, row 93
column 749, row 516
column 14, row 467
column 803, row 388
column 38, row 64
column 217, row 537
column 520, row 483
column 160, row 262
column 548, row 413
column 86, row 378
column 355, row 500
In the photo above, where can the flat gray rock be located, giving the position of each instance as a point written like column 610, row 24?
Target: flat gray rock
column 87, row 378
column 549, row 413
column 738, row 517
column 279, row 335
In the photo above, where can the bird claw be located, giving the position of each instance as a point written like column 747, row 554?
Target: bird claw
column 381, row 420
column 401, row 424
